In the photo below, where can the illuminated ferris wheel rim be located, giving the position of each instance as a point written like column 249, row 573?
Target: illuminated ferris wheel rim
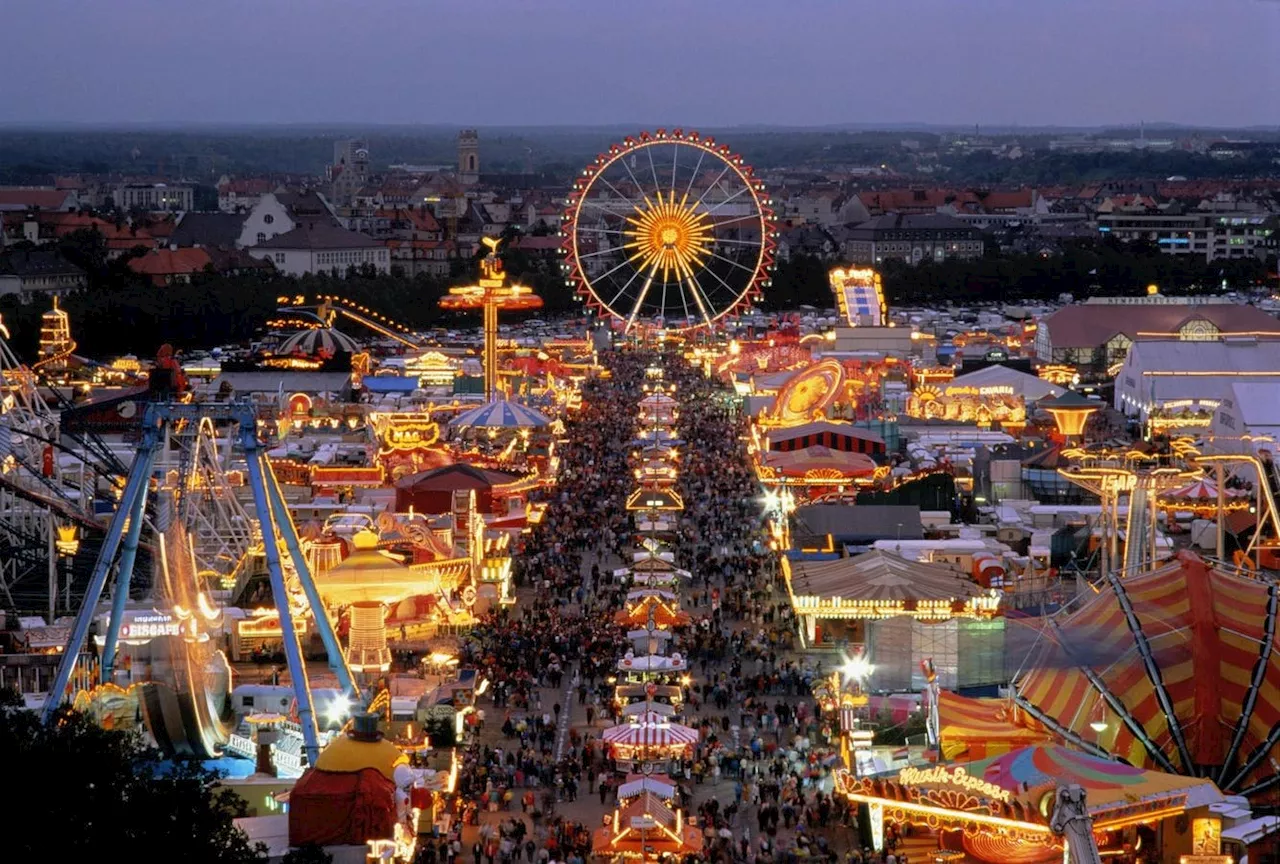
column 762, row 218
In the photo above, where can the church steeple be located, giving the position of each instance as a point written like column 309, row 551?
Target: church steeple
column 468, row 157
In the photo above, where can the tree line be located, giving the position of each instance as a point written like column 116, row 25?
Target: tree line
column 122, row 313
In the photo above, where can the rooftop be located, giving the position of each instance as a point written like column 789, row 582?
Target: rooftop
column 317, row 235
column 1088, row 326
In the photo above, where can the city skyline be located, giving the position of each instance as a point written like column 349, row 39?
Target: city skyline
column 998, row 63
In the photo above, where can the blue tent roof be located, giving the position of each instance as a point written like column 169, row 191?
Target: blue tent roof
column 501, row 414
column 389, row 384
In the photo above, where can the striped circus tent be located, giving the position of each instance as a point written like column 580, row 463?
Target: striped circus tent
column 1173, row 670
column 501, row 414
column 650, row 730
column 658, row 401
column 972, row 728
column 808, row 462
column 1202, row 490
column 319, row 340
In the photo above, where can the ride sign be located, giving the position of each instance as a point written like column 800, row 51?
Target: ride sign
column 940, row 776
column 149, row 627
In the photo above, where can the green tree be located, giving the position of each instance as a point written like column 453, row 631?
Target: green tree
column 87, row 792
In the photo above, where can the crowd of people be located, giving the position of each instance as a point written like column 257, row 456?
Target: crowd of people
column 756, row 779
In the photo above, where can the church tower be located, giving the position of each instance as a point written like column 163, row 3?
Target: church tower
column 468, row 157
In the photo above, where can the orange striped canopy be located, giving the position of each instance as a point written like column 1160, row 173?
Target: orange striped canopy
column 1175, row 670
column 980, row 728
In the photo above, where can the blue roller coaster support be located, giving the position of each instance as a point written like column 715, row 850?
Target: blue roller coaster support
column 135, row 486
column 281, row 517
column 137, row 510
column 254, row 457
column 274, row 517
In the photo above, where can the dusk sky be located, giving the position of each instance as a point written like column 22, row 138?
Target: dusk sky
column 670, row 62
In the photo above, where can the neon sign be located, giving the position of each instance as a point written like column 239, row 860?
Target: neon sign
column 940, row 776
column 149, row 627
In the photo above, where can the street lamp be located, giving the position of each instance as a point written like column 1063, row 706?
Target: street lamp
column 856, row 669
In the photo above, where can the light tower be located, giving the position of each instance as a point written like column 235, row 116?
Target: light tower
column 1071, row 412
column 56, row 343
column 491, row 293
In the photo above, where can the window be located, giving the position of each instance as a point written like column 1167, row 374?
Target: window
column 268, row 219
column 262, row 238
column 279, row 257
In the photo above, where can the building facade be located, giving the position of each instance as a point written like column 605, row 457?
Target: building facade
column 320, row 248
column 30, row 273
column 912, row 238
column 1212, row 235
column 154, row 196
column 1100, row 333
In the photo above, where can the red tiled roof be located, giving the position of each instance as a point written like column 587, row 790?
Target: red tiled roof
column 46, row 199
column 170, row 262
column 421, row 219
column 248, row 186
column 537, row 244
column 162, row 228
column 993, row 201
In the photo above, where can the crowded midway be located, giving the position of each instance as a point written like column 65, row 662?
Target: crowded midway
column 540, row 772
column 877, row 586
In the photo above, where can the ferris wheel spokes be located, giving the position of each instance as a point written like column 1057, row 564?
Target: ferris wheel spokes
column 668, row 237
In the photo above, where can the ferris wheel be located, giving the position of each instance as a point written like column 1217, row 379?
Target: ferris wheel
column 669, row 228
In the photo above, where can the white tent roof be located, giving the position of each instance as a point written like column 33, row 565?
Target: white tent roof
column 646, row 784
column 652, row 663
column 1029, row 387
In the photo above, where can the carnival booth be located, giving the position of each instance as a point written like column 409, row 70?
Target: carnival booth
column 1000, row 809
column 645, row 828
column 626, row 695
column 649, row 742
column 651, row 640
column 356, row 795
column 1201, row 499
column 648, row 609
column 658, row 409
column 904, row 612
column 650, row 667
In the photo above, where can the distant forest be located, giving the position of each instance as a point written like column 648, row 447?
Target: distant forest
column 202, row 155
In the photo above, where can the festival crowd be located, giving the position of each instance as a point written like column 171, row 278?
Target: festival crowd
column 763, row 760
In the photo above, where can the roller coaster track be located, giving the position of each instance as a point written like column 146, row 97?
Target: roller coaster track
column 62, row 355
column 326, row 307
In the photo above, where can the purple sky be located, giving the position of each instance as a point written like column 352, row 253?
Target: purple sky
column 695, row 62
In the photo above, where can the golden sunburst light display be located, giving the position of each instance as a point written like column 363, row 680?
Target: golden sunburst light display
column 668, row 236
column 668, row 230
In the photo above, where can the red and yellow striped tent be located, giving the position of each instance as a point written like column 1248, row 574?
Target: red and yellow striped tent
column 1173, row 670
column 972, row 729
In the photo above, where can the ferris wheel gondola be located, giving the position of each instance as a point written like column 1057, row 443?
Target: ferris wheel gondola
column 669, row 228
